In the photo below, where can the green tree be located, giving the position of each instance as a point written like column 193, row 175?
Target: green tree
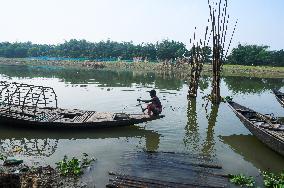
column 167, row 50
column 250, row 55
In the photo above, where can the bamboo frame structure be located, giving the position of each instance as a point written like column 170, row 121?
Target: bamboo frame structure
column 24, row 95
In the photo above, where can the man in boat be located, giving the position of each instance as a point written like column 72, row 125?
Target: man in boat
column 155, row 106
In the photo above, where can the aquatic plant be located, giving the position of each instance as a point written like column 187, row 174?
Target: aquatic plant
column 3, row 157
column 226, row 99
column 273, row 180
column 270, row 180
column 242, row 180
column 86, row 161
column 69, row 167
column 74, row 166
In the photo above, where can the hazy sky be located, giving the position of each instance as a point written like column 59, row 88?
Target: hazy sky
column 53, row 21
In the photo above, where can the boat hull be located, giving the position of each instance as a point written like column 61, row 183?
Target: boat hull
column 262, row 134
column 279, row 96
column 71, row 119
column 58, row 125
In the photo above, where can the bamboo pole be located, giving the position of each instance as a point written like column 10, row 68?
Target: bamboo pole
column 219, row 22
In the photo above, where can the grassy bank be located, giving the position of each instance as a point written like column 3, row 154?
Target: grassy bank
column 160, row 68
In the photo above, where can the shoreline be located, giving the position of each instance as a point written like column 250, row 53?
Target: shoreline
column 181, row 71
column 29, row 176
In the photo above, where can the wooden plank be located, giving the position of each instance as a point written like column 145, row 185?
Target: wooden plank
column 89, row 114
column 170, row 167
column 100, row 116
column 134, row 181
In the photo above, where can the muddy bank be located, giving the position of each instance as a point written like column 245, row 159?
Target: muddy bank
column 23, row 176
column 179, row 70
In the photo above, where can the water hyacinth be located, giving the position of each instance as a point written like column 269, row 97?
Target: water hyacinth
column 242, row 180
column 74, row 166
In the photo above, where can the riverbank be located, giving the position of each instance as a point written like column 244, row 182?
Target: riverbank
column 15, row 172
column 182, row 70
column 25, row 177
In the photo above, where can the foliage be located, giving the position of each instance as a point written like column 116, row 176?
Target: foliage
column 103, row 50
column 242, row 180
column 255, row 55
column 272, row 180
column 165, row 50
column 69, row 167
column 206, row 53
column 74, row 166
column 86, row 161
column 227, row 99
column 3, row 157
column 170, row 50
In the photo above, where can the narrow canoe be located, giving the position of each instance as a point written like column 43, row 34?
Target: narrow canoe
column 63, row 118
column 279, row 96
column 267, row 129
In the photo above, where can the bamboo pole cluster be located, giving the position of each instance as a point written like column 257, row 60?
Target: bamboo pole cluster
column 219, row 20
column 196, row 61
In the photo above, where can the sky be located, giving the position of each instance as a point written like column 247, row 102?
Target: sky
column 260, row 22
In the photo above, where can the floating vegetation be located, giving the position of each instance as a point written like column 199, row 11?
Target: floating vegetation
column 227, row 98
column 242, row 180
column 3, row 157
column 87, row 161
column 74, row 166
column 273, row 180
column 270, row 180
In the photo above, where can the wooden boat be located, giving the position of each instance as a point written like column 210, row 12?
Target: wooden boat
column 63, row 118
column 279, row 96
column 36, row 106
column 267, row 129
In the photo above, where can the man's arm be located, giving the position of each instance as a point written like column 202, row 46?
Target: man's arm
column 146, row 101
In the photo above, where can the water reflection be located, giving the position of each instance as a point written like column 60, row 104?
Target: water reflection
column 204, row 83
column 208, row 145
column 191, row 137
column 104, row 78
column 29, row 147
column 44, row 143
column 111, row 78
column 193, row 132
column 247, row 85
column 254, row 151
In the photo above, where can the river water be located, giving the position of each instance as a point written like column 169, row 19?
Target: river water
column 189, row 126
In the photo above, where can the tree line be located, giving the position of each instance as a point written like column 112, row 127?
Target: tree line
column 167, row 49
column 255, row 55
column 159, row 51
